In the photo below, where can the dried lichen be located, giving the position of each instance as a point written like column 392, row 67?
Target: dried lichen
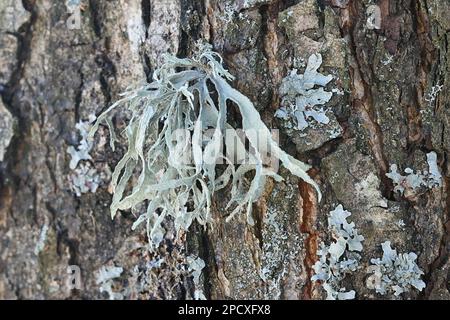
column 195, row 266
column 373, row 17
column 105, row 276
column 85, row 178
column 411, row 182
column 175, row 152
column 395, row 273
column 340, row 257
column 302, row 101
column 81, row 152
column 434, row 175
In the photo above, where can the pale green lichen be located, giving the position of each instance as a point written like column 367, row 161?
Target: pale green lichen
column 302, row 101
column 195, row 267
column 395, row 273
column 339, row 258
column 105, row 278
column 81, row 152
column 84, row 177
column 409, row 183
column 169, row 146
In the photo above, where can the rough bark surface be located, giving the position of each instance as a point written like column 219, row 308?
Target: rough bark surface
column 55, row 71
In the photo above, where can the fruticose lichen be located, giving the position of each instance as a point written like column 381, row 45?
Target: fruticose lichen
column 340, row 257
column 175, row 141
column 301, row 99
column 412, row 181
column 395, row 273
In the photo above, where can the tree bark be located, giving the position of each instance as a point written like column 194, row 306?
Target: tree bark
column 62, row 61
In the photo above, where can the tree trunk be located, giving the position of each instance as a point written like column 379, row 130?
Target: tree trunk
column 61, row 61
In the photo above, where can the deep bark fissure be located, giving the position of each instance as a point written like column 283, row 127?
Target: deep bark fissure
column 307, row 226
column 95, row 10
column 146, row 9
column 79, row 95
column 10, row 181
column 269, row 37
column 108, row 70
column 364, row 104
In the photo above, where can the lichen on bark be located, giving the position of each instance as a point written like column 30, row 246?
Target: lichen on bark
column 51, row 77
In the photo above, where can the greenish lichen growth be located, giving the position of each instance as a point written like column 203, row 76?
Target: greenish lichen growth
column 302, row 101
column 409, row 184
column 339, row 258
column 395, row 273
column 175, row 140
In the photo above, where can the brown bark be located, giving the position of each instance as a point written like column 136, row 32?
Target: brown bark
column 53, row 76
